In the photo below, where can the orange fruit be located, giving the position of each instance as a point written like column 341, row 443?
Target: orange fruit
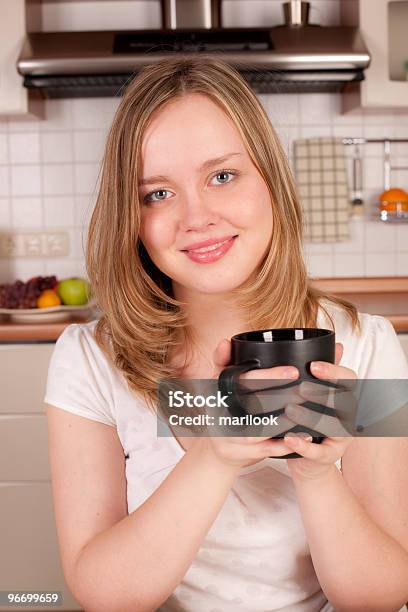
column 394, row 195
column 48, row 298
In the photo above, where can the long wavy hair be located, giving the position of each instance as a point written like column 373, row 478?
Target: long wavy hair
column 140, row 318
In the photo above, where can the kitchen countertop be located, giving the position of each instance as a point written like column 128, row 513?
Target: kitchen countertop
column 386, row 296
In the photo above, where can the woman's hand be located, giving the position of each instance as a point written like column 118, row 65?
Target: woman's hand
column 318, row 459
column 245, row 450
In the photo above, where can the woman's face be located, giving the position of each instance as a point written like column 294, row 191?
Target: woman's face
column 189, row 195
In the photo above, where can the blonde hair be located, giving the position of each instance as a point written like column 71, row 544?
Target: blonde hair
column 140, row 317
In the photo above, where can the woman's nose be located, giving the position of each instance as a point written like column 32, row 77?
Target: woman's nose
column 197, row 211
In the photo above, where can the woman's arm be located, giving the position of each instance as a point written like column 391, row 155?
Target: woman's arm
column 137, row 563
column 361, row 563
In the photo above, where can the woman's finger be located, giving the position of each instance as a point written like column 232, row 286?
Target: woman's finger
column 222, row 354
column 339, row 352
column 323, row 423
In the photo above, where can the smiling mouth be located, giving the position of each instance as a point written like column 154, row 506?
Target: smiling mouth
column 211, row 247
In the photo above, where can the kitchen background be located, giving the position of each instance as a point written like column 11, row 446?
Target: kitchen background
column 48, row 182
column 49, row 167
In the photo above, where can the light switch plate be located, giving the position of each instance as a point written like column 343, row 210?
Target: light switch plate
column 34, row 244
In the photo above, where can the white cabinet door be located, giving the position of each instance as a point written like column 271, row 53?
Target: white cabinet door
column 14, row 97
column 384, row 26
column 29, row 554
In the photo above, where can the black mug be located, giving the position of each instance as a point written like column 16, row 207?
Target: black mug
column 297, row 346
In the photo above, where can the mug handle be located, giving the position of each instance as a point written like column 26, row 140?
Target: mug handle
column 226, row 382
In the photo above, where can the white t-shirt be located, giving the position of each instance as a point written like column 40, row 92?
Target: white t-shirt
column 255, row 557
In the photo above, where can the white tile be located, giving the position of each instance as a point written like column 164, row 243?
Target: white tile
column 356, row 244
column 59, row 211
column 26, row 212
column 92, row 113
column 402, row 237
column 315, row 131
column 4, row 181
column 378, row 117
column 81, row 268
column 58, row 115
column 86, row 178
column 24, row 124
column 58, row 179
column 24, row 148
column 402, row 264
column 287, row 135
column 318, row 248
column 320, row 265
column 24, row 269
column 5, row 213
column 380, row 264
column 3, row 149
column 353, row 119
column 348, row 264
column 84, row 206
column 373, row 169
column 378, row 131
column 317, row 108
column 89, row 146
column 6, row 271
column 25, row 180
column 78, row 245
column 61, row 267
column 282, row 109
column 56, row 147
column 380, row 237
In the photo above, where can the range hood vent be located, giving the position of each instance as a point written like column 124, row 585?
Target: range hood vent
column 273, row 60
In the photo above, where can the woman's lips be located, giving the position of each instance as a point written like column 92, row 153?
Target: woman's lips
column 210, row 253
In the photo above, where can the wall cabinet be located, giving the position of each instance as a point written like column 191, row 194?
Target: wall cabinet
column 384, row 26
column 29, row 556
column 15, row 100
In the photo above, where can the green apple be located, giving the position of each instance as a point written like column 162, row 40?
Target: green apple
column 73, row 291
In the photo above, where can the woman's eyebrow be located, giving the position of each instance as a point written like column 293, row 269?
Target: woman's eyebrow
column 207, row 164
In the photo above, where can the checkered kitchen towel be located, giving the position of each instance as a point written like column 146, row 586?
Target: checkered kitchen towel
column 321, row 176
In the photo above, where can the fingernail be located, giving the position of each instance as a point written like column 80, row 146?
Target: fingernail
column 291, row 438
column 305, row 436
column 291, row 410
column 318, row 366
column 289, row 372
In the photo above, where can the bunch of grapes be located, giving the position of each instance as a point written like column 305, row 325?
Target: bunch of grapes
column 24, row 295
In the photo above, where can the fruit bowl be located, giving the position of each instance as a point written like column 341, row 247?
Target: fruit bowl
column 52, row 314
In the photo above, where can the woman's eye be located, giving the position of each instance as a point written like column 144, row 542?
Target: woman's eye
column 160, row 193
column 224, row 176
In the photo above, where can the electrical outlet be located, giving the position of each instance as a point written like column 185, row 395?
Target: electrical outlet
column 11, row 245
column 55, row 244
column 34, row 244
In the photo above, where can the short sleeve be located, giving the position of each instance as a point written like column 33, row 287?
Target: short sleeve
column 76, row 379
column 385, row 367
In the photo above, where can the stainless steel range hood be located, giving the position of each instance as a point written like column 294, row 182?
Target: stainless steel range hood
column 280, row 59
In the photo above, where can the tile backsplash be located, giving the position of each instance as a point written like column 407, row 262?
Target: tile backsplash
column 49, row 167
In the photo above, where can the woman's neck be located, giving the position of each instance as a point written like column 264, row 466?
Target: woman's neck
column 212, row 317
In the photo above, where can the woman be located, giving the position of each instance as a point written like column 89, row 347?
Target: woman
column 211, row 524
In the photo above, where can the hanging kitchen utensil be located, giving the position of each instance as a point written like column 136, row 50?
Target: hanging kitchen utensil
column 357, row 193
